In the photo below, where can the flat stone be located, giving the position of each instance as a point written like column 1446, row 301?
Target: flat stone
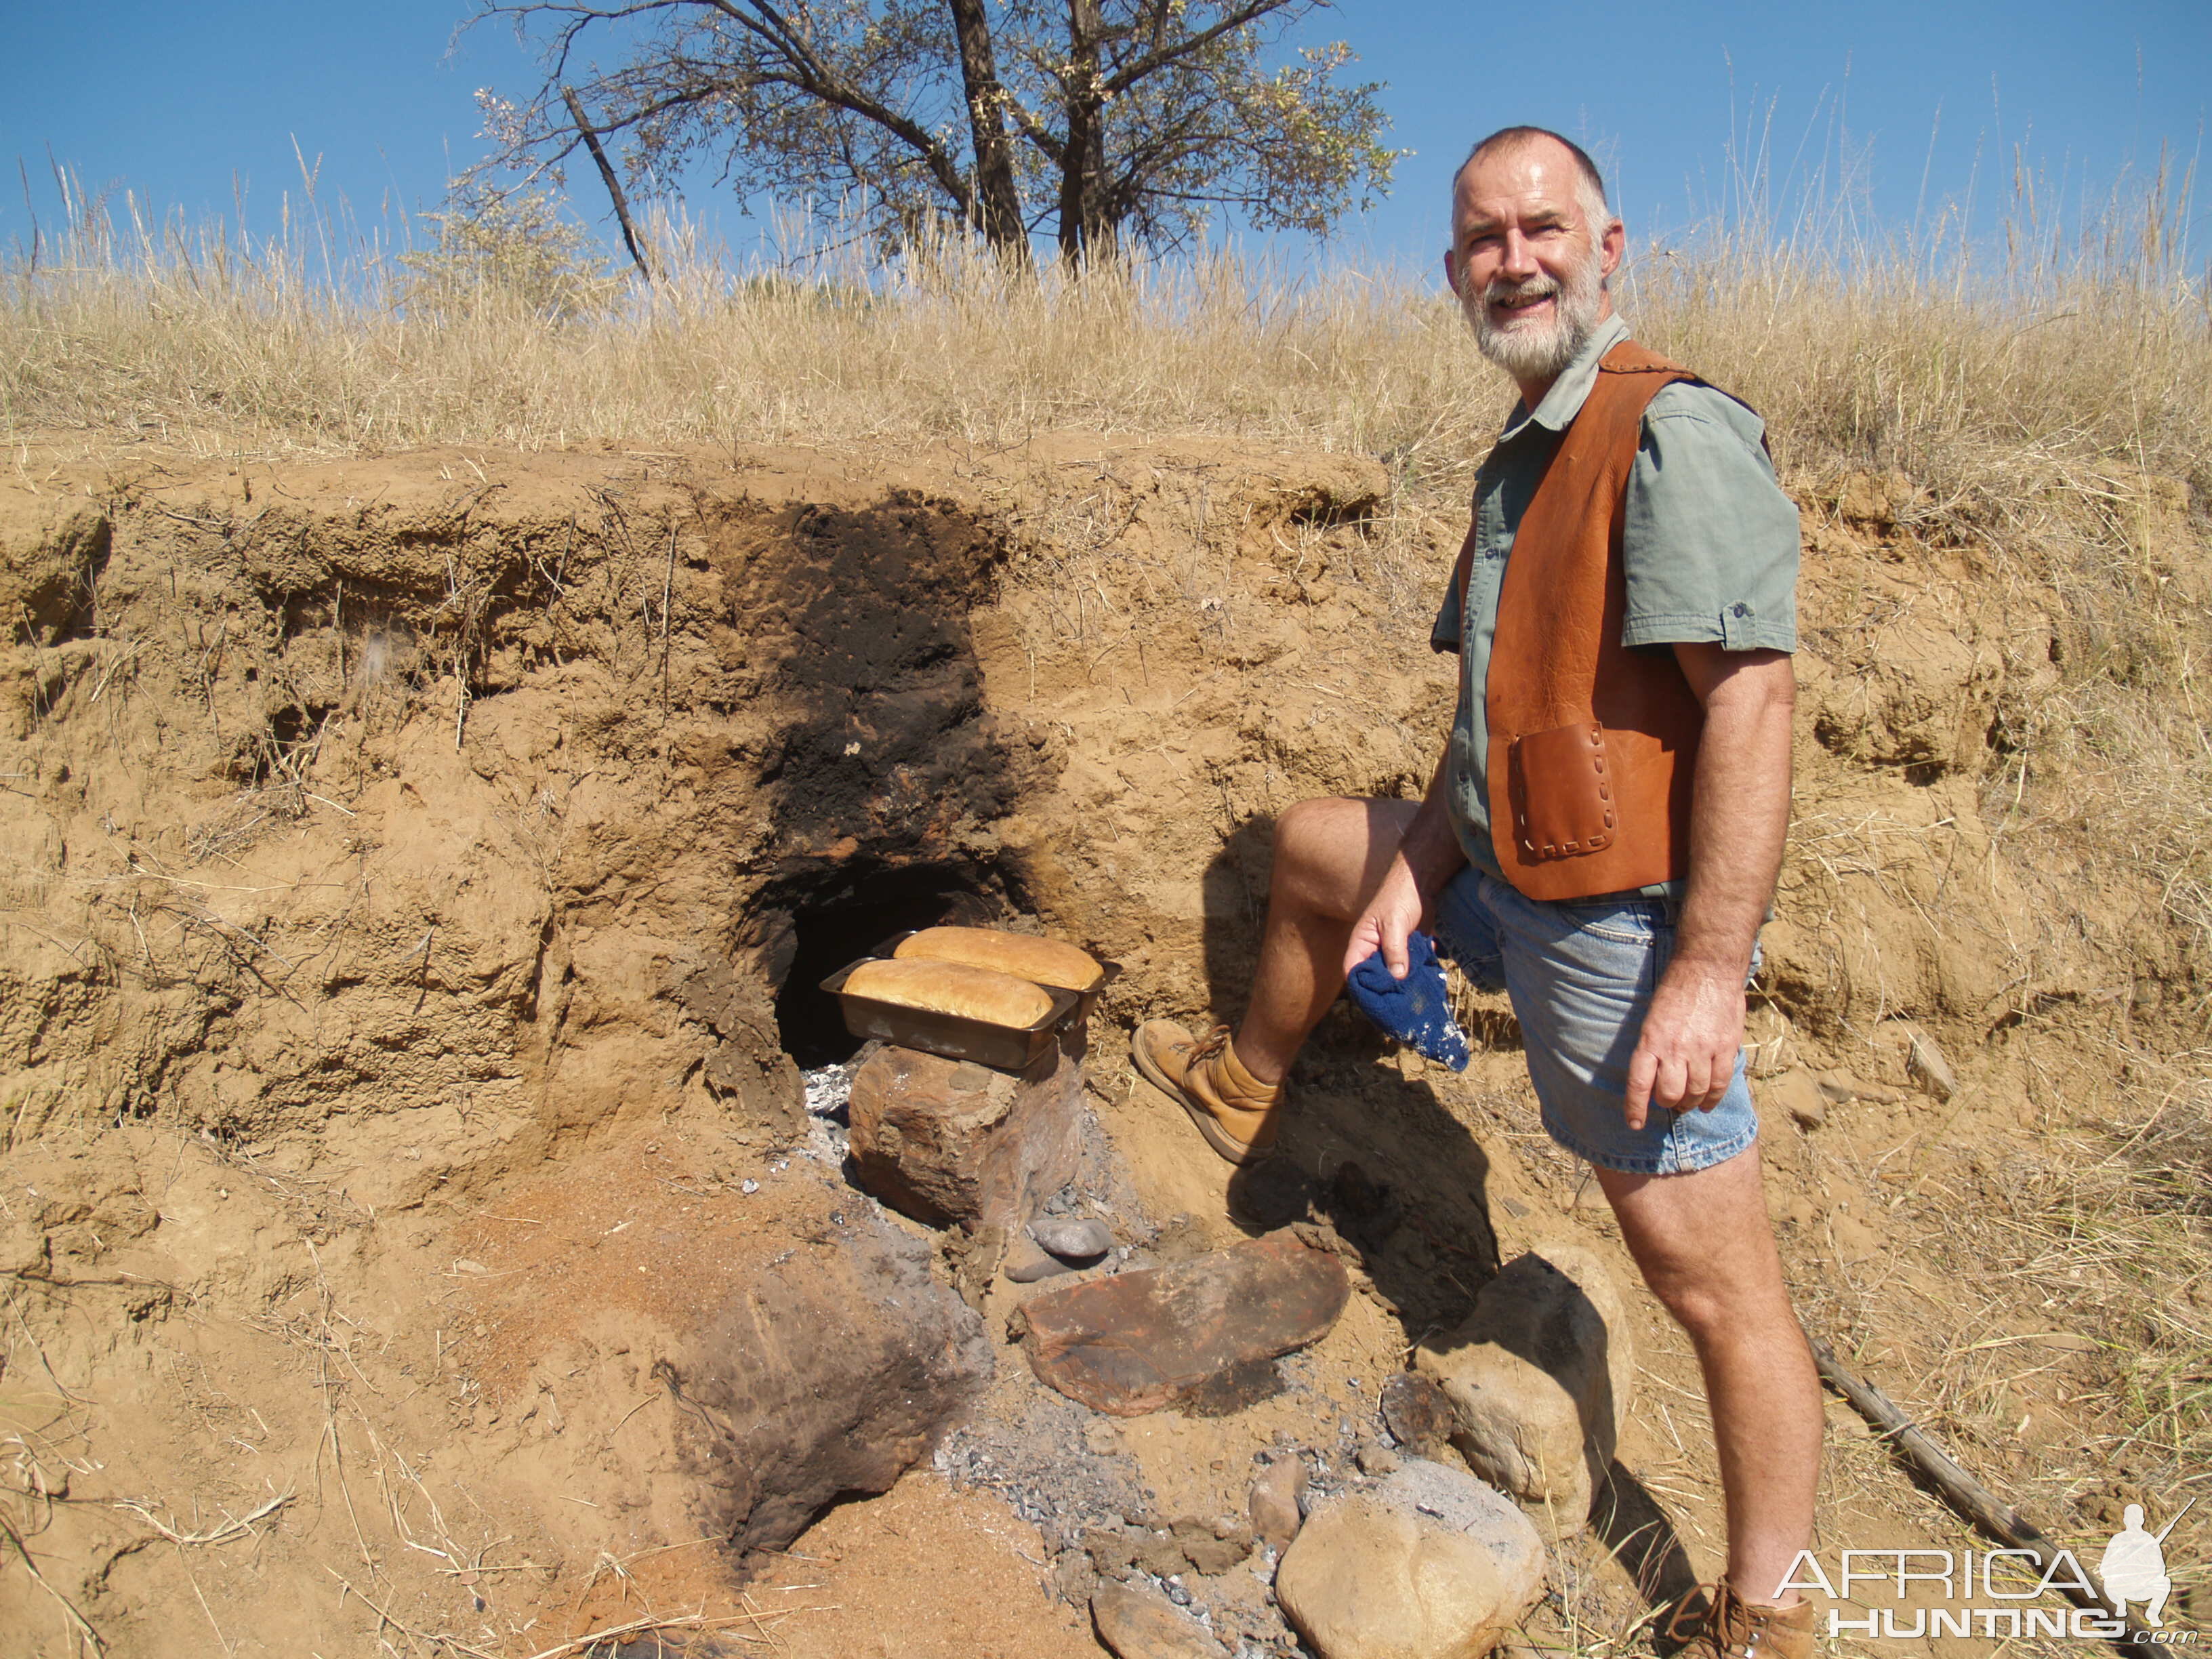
column 1072, row 1240
column 1429, row 1564
column 1420, row 1415
column 1924, row 1063
column 1274, row 1503
column 1538, row 1375
column 1799, row 1095
column 1137, row 1341
column 949, row 1141
column 1141, row 1624
column 832, row 1368
column 1843, row 1087
column 1025, row 1264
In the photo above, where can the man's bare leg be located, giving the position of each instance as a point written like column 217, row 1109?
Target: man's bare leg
column 1330, row 858
column 1706, row 1248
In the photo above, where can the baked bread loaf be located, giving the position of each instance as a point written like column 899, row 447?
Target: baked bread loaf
column 1040, row 961
column 952, row 988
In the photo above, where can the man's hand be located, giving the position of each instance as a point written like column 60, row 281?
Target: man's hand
column 1426, row 857
column 1393, row 912
column 1686, row 1055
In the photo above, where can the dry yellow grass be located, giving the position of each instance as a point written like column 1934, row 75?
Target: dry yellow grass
column 1983, row 386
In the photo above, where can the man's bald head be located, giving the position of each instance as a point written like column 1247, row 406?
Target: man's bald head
column 1590, row 181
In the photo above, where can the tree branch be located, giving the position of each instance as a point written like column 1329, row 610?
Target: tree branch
column 1153, row 61
column 814, row 77
column 607, row 177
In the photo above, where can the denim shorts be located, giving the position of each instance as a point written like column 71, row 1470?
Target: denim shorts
column 1581, row 974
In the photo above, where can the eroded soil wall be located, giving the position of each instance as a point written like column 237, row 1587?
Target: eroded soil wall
column 412, row 872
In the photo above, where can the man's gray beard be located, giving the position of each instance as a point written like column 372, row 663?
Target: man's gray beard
column 1540, row 351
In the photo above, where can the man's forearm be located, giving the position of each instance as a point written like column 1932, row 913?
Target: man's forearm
column 1740, row 811
column 1431, row 849
column 1739, row 819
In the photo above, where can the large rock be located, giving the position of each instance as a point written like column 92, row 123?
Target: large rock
column 1142, row 1624
column 833, row 1369
column 948, row 1140
column 1429, row 1564
column 1137, row 1341
column 1538, row 1375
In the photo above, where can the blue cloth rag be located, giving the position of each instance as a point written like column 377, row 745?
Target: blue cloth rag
column 1415, row 1010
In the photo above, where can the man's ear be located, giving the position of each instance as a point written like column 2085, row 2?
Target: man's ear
column 1451, row 271
column 1614, row 245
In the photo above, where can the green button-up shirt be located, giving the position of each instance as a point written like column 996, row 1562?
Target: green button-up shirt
column 1708, row 542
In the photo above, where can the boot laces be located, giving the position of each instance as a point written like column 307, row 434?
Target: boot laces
column 1208, row 1047
column 1730, row 1627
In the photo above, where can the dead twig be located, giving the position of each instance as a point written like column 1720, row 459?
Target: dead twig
column 230, row 1530
column 437, row 1638
column 77, row 1621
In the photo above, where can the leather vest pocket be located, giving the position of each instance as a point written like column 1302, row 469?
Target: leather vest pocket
column 1561, row 789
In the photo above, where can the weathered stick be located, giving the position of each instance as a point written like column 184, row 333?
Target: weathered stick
column 1968, row 1496
column 1964, row 1494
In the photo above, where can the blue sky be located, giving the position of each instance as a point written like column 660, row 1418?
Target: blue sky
column 181, row 104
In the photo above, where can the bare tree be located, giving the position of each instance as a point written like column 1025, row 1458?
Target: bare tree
column 1100, row 121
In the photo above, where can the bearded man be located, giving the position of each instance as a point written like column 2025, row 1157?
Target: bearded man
column 1603, row 829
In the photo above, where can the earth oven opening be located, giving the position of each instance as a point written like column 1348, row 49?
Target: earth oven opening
column 838, row 917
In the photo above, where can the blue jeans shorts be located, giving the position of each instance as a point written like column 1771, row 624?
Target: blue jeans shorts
column 1581, row 974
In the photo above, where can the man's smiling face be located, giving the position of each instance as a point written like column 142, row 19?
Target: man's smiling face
column 1531, row 248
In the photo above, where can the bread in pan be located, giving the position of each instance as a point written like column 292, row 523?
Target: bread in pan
column 952, row 988
column 1040, row 961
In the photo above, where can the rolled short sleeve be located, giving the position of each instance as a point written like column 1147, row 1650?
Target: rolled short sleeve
column 1449, row 631
column 1708, row 540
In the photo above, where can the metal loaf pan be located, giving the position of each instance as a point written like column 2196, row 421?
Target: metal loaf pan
column 1004, row 1047
column 1106, row 971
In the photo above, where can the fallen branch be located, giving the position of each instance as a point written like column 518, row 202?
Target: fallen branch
column 1968, row 1496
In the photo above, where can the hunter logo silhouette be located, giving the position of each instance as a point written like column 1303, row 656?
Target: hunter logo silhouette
column 2133, row 1568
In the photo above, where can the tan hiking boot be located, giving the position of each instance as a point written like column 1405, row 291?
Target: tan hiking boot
column 1233, row 1110
column 1733, row 1628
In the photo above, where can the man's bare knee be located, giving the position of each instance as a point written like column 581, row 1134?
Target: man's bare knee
column 1700, row 1305
column 1704, row 1244
column 1330, row 853
column 1320, row 848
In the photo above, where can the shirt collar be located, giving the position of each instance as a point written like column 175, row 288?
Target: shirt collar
column 1565, row 400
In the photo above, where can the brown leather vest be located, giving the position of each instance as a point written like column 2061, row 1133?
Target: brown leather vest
column 1592, row 745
